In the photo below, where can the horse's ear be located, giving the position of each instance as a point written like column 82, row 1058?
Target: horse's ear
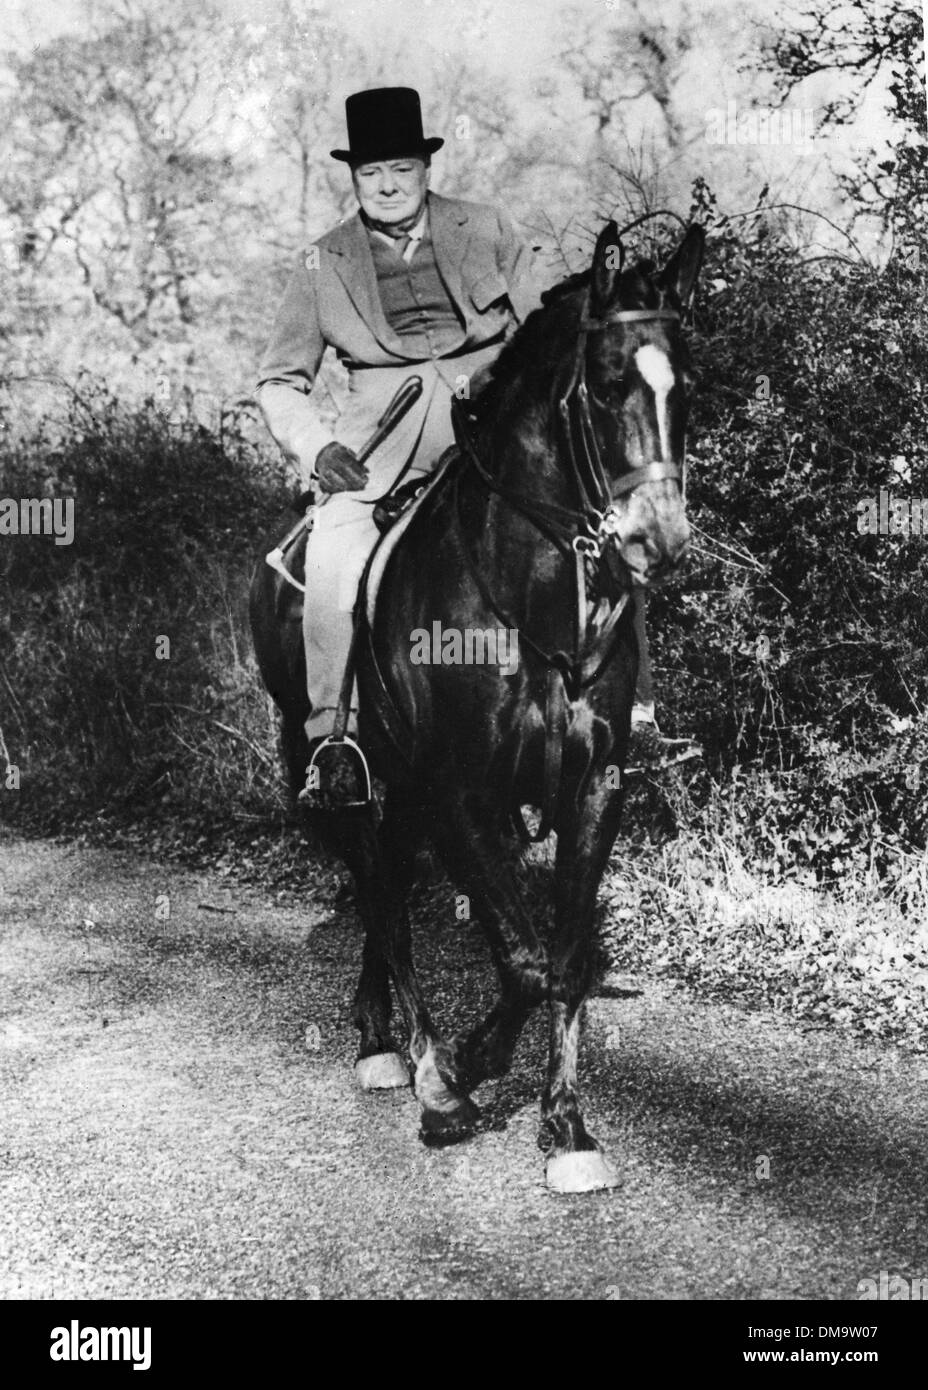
column 680, row 272
column 607, row 263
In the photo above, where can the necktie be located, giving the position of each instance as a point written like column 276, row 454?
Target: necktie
column 401, row 244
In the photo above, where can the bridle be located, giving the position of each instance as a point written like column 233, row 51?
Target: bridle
column 583, row 529
column 579, row 533
column 596, row 493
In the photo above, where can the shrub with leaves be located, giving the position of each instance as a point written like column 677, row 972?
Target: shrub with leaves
column 127, row 672
column 795, row 641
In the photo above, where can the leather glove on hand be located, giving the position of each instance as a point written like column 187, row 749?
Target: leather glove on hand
column 338, row 469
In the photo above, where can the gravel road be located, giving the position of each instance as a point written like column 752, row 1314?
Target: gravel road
column 180, row 1120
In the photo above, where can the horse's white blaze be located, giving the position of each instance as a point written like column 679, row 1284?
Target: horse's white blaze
column 654, row 366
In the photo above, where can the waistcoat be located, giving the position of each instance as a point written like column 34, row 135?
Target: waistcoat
column 415, row 302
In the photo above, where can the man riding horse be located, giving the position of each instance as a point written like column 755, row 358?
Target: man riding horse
column 412, row 283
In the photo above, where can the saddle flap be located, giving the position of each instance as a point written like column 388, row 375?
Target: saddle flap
column 391, row 537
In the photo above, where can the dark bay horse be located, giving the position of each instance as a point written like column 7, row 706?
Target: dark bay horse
column 567, row 492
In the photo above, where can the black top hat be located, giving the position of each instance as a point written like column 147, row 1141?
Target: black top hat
column 384, row 123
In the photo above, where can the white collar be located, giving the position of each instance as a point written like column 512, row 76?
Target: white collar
column 415, row 235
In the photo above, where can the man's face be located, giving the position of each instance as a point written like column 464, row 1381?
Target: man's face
column 392, row 191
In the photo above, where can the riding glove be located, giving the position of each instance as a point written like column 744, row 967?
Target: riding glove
column 339, row 470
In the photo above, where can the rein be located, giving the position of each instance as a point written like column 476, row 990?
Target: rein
column 581, row 533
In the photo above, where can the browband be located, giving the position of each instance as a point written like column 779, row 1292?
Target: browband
column 631, row 316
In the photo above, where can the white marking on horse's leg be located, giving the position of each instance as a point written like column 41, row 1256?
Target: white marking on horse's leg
column 654, row 366
column 385, row 1071
column 588, row 1171
column 431, row 1091
column 571, row 1048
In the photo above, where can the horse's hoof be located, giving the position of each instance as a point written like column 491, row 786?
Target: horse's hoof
column 385, row 1071
column 440, row 1127
column 585, row 1171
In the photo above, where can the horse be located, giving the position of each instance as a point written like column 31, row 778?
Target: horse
column 566, row 490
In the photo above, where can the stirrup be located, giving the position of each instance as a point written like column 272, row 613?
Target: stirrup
column 335, row 740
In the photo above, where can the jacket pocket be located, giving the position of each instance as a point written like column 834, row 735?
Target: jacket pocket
column 487, row 290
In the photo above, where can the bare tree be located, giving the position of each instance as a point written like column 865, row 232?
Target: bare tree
column 113, row 165
column 622, row 61
column 299, row 58
column 872, row 44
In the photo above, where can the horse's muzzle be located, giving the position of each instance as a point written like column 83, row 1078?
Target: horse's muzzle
column 654, row 535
